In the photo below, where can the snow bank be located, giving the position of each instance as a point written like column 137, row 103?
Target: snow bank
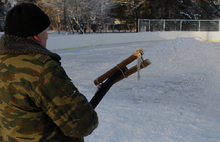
column 184, row 50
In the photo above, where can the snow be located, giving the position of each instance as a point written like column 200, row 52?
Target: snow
column 176, row 99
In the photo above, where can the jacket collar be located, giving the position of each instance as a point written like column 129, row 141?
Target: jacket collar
column 10, row 44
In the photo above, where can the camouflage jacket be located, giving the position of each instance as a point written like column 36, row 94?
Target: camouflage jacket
column 38, row 101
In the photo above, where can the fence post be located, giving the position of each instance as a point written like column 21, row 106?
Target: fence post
column 218, row 25
column 149, row 25
column 181, row 23
column 138, row 25
column 113, row 27
column 58, row 27
column 199, row 25
column 164, row 25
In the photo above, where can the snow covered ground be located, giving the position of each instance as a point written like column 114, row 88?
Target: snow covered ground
column 177, row 98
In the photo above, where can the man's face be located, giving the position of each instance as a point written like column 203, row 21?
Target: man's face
column 43, row 37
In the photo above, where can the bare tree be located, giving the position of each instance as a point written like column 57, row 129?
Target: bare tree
column 80, row 11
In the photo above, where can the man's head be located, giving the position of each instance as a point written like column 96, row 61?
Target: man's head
column 25, row 20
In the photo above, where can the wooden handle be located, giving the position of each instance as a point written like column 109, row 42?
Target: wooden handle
column 132, row 70
column 121, row 65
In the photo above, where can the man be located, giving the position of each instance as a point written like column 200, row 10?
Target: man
column 38, row 101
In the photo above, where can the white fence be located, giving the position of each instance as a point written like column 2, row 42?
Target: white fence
column 149, row 25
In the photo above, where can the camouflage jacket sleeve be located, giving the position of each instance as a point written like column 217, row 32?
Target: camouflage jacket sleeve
column 63, row 103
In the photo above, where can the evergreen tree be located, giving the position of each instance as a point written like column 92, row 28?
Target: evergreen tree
column 208, row 9
column 2, row 14
column 2, row 9
column 170, row 9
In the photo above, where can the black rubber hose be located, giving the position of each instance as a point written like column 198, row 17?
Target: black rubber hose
column 105, row 87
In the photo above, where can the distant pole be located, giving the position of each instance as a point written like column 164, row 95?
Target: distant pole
column 164, row 25
column 58, row 20
column 181, row 23
column 65, row 15
column 218, row 25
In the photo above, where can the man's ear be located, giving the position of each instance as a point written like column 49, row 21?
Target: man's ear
column 36, row 38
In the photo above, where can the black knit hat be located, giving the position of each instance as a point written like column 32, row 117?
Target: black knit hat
column 25, row 20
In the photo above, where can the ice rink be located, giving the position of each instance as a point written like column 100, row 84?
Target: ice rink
column 176, row 99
